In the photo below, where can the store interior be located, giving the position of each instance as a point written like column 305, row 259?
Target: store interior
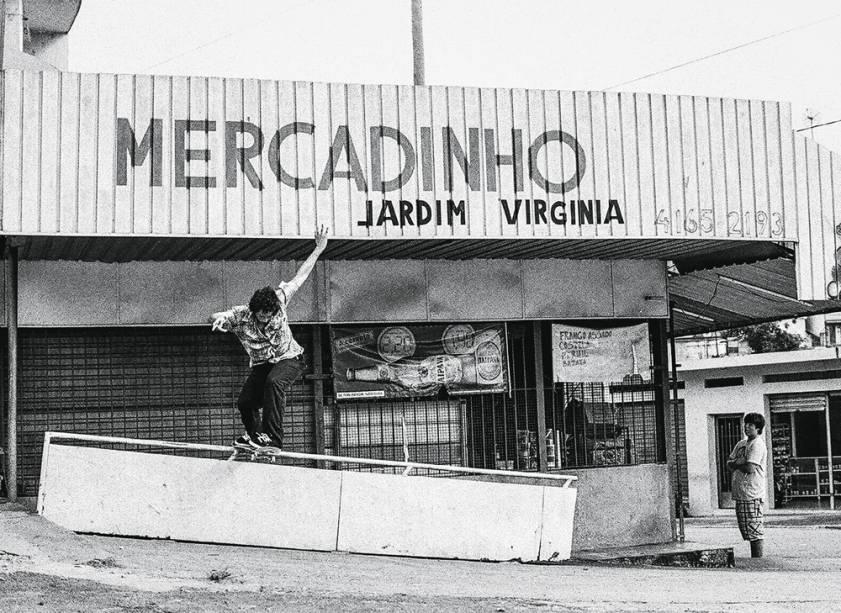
column 806, row 455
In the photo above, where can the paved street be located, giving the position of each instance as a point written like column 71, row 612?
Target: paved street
column 40, row 563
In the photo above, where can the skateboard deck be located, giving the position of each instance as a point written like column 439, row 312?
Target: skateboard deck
column 269, row 455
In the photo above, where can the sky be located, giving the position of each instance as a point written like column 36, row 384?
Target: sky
column 771, row 50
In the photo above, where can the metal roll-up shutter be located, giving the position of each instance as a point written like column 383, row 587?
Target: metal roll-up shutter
column 789, row 403
column 173, row 384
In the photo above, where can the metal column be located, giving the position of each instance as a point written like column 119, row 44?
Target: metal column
column 830, row 470
column 673, row 380
column 665, row 418
column 11, row 253
column 318, row 393
column 540, row 396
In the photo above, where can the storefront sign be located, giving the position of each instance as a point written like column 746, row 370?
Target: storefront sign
column 90, row 154
column 600, row 354
column 419, row 360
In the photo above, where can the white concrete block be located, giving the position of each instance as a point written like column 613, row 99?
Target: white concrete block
column 196, row 499
column 207, row 500
column 439, row 517
column 557, row 521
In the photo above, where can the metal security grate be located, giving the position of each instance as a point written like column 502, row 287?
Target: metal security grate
column 593, row 424
column 502, row 430
column 434, row 431
column 177, row 384
column 728, row 432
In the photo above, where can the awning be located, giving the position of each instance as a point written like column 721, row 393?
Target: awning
column 701, row 252
column 740, row 295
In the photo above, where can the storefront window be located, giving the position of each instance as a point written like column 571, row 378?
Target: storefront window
column 586, row 423
column 806, row 463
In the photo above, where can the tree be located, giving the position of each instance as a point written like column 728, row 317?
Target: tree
column 767, row 337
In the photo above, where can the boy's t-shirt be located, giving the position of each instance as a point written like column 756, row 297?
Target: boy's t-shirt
column 750, row 486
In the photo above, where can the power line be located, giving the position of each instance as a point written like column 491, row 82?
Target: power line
column 819, row 125
column 723, row 51
column 218, row 39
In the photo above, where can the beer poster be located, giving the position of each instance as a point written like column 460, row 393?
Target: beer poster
column 400, row 361
column 608, row 355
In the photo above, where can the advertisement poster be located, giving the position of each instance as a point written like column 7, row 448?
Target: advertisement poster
column 600, row 354
column 382, row 361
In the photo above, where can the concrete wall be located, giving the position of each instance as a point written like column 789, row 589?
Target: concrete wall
column 211, row 500
column 703, row 404
column 70, row 293
column 622, row 506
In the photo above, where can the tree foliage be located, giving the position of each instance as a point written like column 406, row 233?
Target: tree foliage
column 767, row 337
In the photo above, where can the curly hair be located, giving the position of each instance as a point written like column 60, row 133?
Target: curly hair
column 264, row 299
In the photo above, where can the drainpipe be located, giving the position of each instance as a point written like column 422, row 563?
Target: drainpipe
column 681, row 535
column 11, row 253
column 417, row 42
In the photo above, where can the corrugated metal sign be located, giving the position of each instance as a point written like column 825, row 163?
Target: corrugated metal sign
column 818, row 257
column 191, row 156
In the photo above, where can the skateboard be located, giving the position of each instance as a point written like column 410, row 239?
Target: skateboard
column 270, row 455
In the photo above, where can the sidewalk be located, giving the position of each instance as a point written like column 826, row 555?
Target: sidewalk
column 41, row 561
column 773, row 517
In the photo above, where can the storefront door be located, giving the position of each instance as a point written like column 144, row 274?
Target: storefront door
column 728, row 432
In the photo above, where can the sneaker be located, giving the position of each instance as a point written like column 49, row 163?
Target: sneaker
column 245, row 442
column 264, row 440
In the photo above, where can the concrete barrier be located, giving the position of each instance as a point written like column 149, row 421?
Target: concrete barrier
column 440, row 518
column 193, row 499
column 131, row 493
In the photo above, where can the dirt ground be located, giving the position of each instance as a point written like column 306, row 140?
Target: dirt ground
column 23, row 591
column 46, row 568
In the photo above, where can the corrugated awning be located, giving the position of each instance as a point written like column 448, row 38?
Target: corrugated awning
column 739, row 295
column 169, row 248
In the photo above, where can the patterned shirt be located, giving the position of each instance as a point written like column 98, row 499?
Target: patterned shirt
column 750, row 486
column 274, row 342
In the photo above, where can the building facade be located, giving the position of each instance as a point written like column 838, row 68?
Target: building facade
column 798, row 393
column 568, row 223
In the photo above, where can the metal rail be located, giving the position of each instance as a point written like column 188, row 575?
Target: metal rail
column 408, row 466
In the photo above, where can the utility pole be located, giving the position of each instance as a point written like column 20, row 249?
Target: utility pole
column 417, row 42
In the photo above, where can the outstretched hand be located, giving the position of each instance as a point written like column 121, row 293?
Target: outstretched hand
column 321, row 238
column 219, row 324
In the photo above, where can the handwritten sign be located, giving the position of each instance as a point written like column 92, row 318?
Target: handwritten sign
column 600, row 354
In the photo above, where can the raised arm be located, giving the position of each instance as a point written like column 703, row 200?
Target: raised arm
column 306, row 267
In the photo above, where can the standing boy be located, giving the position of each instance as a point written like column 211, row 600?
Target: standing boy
column 747, row 461
column 275, row 358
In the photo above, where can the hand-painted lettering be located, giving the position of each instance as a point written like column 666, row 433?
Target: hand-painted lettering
column 458, row 157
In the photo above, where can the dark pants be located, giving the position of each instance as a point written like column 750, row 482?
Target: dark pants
column 267, row 386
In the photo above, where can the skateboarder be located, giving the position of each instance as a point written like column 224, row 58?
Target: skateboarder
column 747, row 461
column 275, row 358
